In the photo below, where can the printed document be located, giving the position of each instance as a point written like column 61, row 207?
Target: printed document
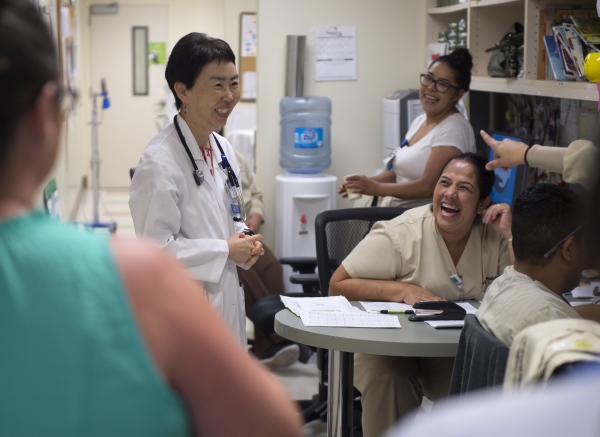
column 336, row 311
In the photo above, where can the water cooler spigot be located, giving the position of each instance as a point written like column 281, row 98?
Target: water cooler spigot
column 303, row 229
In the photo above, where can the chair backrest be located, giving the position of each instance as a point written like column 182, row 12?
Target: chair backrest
column 337, row 233
column 480, row 359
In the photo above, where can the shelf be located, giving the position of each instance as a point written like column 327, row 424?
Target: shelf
column 495, row 3
column 448, row 9
column 545, row 88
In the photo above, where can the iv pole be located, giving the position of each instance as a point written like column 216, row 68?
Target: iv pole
column 96, row 156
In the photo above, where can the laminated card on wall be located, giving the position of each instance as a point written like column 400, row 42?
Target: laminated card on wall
column 335, row 53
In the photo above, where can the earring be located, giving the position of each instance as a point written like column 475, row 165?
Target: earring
column 185, row 109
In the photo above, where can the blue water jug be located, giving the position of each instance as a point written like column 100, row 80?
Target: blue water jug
column 305, row 145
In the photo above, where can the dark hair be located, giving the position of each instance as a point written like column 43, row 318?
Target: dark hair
column 542, row 216
column 27, row 62
column 461, row 63
column 190, row 55
column 485, row 178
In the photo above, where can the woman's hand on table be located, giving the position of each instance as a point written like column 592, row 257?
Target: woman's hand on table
column 499, row 216
column 412, row 294
column 507, row 153
column 360, row 184
column 245, row 249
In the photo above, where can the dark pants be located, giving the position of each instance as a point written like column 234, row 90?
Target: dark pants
column 263, row 279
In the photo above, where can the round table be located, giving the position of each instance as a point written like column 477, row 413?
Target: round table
column 414, row 339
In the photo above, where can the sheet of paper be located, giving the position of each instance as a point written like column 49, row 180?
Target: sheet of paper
column 587, row 302
column 375, row 307
column 352, row 320
column 249, row 82
column 439, row 324
column 248, row 36
column 470, row 309
column 592, row 290
column 335, row 53
column 331, row 304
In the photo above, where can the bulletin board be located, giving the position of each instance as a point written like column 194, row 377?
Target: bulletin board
column 248, row 49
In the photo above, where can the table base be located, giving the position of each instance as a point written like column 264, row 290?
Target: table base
column 340, row 394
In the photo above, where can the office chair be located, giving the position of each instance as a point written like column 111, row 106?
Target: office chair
column 337, row 233
column 480, row 361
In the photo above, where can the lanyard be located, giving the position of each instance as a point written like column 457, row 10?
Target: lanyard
column 232, row 185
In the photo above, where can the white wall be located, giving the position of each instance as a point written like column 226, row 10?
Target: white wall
column 218, row 18
column 390, row 41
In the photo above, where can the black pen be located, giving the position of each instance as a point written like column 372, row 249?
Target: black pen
column 397, row 311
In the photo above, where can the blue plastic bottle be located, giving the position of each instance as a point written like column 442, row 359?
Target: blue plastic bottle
column 305, row 145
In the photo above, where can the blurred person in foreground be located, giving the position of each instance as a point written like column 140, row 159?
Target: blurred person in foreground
column 101, row 336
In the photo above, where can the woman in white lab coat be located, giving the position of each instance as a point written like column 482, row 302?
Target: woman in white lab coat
column 184, row 193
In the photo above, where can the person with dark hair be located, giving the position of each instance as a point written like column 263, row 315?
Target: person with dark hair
column 99, row 336
column 186, row 193
column 451, row 249
column 411, row 171
column 548, row 230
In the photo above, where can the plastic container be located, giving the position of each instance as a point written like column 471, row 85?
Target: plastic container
column 305, row 144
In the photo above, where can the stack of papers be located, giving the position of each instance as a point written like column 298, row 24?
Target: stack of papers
column 336, row 311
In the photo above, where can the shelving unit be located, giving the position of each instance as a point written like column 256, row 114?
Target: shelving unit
column 488, row 21
column 448, row 9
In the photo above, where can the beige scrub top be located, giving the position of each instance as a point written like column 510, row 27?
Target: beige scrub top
column 515, row 301
column 410, row 249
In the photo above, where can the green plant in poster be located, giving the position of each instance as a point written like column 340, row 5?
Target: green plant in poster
column 157, row 53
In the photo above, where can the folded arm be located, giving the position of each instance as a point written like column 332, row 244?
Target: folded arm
column 376, row 289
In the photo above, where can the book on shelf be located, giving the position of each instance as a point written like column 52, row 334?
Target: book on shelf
column 588, row 28
column 564, row 51
column 554, row 58
column 551, row 16
column 576, row 48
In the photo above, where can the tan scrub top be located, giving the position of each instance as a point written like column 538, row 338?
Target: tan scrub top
column 410, row 249
column 515, row 301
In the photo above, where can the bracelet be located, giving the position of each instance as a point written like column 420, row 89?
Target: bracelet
column 525, row 156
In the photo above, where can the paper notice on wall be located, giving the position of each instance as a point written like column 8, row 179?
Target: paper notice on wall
column 335, row 53
column 249, row 81
column 249, row 33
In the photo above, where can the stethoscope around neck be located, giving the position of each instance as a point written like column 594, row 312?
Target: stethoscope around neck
column 232, row 185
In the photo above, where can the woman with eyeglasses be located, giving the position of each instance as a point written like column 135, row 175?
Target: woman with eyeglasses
column 186, row 193
column 412, row 170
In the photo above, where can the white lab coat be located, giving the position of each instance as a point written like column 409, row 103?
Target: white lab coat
column 191, row 222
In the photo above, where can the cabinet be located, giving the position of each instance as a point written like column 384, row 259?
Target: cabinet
column 488, row 21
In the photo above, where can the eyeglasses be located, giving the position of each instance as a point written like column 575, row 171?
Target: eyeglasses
column 441, row 85
column 560, row 243
column 68, row 99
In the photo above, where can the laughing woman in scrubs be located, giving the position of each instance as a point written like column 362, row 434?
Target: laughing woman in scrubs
column 179, row 195
column 449, row 250
column 412, row 170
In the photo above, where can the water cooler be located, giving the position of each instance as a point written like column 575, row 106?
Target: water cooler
column 300, row 198
column 305, row 153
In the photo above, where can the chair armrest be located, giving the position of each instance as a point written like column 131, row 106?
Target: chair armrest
column 300, row 264
column 305, row 278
